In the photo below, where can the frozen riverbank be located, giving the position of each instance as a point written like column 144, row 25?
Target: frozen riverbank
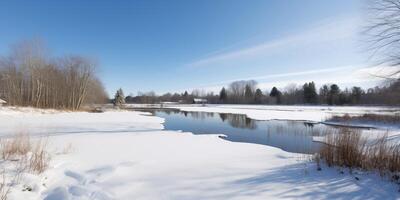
column 313, row 114
column 303, row 113
column 125, row 155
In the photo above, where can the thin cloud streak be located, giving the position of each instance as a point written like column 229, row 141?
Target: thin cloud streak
column 287, row 75
column 324, row 31
column 345, row 75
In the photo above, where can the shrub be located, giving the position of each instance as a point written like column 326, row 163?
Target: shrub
column 348, row 148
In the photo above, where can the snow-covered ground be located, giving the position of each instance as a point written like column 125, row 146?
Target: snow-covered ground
column 126, row 155
column 45, row 122
column 273, row 112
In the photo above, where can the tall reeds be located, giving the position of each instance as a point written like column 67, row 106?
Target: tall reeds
column 349, row 148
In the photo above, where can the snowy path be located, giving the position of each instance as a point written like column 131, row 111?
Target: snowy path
column 157, row 164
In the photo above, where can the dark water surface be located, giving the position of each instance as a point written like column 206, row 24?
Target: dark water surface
column 291, row 136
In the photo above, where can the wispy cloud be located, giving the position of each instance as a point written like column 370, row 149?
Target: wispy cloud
column 289, row 75
column 344, row 76
column 323, row 31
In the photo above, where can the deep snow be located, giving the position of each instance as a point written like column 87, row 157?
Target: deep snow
column 126, row 155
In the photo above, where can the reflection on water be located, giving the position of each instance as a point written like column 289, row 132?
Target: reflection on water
column 291, row 136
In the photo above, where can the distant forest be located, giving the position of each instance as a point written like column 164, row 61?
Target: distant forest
column 246, row 92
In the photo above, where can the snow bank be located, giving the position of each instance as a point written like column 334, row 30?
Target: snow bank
column 302, row 113
column 44, row 122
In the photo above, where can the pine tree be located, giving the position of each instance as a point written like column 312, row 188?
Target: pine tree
column 356, row 93
column 223, row 95
column 276, row 94
column 333, row 94
column 309, row 93
column 258, row 96
column 324, row 94
column 248, row 94
column 186, row 97
column 119, row 98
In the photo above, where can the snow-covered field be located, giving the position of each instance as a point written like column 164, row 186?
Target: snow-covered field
column 45, row 122
column 127, row 155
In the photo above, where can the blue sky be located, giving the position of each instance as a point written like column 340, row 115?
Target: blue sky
column 183, row 44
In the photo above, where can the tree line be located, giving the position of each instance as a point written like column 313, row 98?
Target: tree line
column 30, row 77
column 246, row 92
column 382, row 39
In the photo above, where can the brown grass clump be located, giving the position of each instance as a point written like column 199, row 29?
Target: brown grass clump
column 39, row 158
column 23, row 155
column 383, row 156
column 344, row 148
column 386, row 119
column 15, row 146
column 347, row 148
column 4, row 188
column 21, row 148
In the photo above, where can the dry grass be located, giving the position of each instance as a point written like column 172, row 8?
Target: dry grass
column 344, row 148
column 21, row 148
column 21, row 154
column 16, row 146
column 39, row 158
column 383, row 156
column 386, row 119
column 4, row 188
column 347, row 148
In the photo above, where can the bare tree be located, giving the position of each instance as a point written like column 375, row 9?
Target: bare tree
column 384, row 35
column 237, row 90
column 28, row 77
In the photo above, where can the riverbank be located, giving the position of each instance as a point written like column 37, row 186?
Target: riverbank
column 127, row 155
column 275, row 112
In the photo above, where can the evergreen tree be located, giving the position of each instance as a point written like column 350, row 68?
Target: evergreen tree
column 119, row 98
column 333, row 94
column 248, row 94
column 275, row 93
column 258, row 96
column 324, row 94
column 356, row 93
column 185, row 97
column 222, row 95
column 309, row 93
column 344, row 97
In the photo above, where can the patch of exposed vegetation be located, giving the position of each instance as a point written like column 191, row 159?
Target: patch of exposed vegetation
column 348, row 148
column 20, row 154
column 367, row 118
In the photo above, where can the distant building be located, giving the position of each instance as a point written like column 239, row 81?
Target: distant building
column 2, row 102
column 199, row 101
